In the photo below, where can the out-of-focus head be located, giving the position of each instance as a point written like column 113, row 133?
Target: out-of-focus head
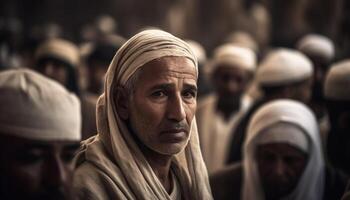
column 321, row 51
column 153, row 80
column 283, row 153
column 232, row 69
column 59, row 59
column 199, row 51
column 40, row 126
column 286, row 73
column 98, row 61
column 337, row 94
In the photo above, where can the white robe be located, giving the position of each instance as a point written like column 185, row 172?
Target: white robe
column 215, row 132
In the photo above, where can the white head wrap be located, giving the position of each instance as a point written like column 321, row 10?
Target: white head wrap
column 337, row 84
column 60, row 49
column 35, row 107
column 285, row 133
column 138, row 179
column 311, row 183
column 283, row 66
column 198, row 50
column 314, row 44
column 233, row 56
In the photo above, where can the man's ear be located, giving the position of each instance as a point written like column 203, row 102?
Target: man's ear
column 121, row 101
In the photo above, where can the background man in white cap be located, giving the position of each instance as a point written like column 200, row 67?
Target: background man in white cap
column 320, row 50
column 231, row 71
column 40, row 126
column 337, row 94
column 147, row 143
column 59, row 59
column 283, row 159
column 284, row 73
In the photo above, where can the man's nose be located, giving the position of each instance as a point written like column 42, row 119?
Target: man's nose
column 232, row 86
column 280, row 169
column 55, row 174
column 176, row 110
column 49, row 69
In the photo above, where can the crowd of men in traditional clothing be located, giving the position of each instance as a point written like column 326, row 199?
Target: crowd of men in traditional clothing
column 152, row 117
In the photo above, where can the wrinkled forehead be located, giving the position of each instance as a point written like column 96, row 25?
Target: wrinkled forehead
column 172, row 65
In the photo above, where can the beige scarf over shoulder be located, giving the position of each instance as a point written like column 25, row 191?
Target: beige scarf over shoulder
column 130, row 173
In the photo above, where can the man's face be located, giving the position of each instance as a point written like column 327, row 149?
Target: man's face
column 163, row 105
column 97, row 73
column 320, row 70
column 280, row 167
column 54, row 69
column 35, row 169
column 231, row 82
column 339, row 112
column 301, row 92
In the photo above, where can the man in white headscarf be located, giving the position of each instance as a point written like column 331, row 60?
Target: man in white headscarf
column 147, row 144
column 283, row 159
column 321, row 51
column 231, row 71
column 283, row 73
column 40, row 124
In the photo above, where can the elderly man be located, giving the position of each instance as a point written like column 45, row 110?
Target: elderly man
column 283, row 159
column 284, row 73
column 231, row 70
column 39, row 136
column 147, row 144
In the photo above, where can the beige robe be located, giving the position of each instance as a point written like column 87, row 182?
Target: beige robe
column 215, row 132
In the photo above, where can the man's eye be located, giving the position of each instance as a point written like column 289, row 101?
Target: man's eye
column 158, row 94
column 189, row 94
column 29, row 158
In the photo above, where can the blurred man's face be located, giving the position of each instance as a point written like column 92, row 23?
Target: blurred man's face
column 162, row 107
column 320, row 70
column 33, row 169
column 301, row 92
column 54, row 69
column 231, row 82
column 97, row 73
column 339, row 113
column 280, row 167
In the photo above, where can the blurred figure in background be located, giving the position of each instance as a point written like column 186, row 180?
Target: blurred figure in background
column 97, row 63
column 10, row 38
column 231, row 71
column 204, row 86
column 283, row 159
column 284, row 73
column 321, row 51
column 337, row 94
column 40, row 124
column 59, row 60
